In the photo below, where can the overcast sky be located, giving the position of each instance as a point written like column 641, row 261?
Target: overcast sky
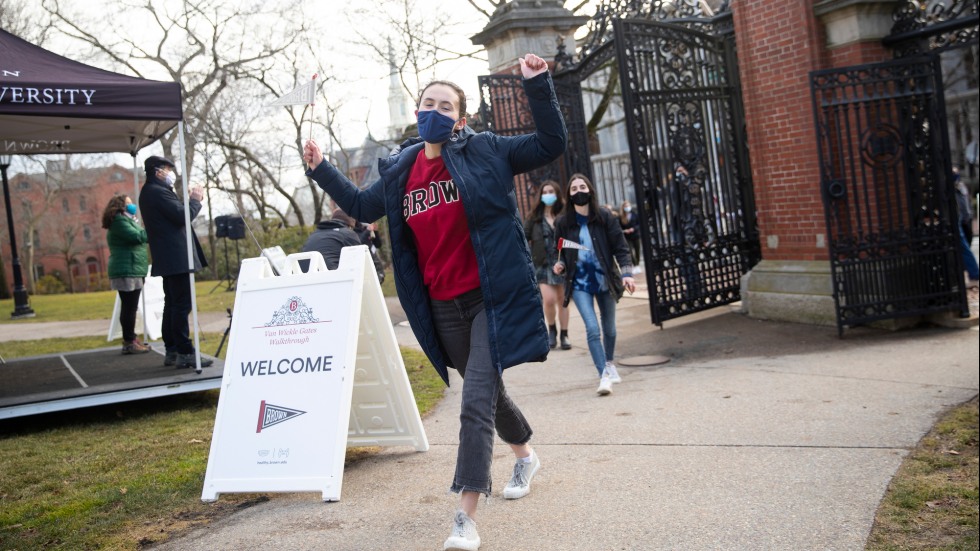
column 360, row 80
column 365, row 80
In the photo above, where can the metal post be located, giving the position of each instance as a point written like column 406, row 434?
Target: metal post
column 22, row 308
column 190, row 245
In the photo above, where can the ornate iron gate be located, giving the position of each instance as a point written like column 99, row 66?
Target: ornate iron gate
column 678, row 74
column 684, row 119
column 891, row 215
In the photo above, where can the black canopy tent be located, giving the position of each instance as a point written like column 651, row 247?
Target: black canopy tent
column 50, row 104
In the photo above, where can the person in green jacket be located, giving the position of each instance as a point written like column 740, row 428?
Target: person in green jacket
column 127, row 265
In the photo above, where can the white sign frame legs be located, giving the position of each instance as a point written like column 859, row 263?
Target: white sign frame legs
column 383, row 410
column 293, row 356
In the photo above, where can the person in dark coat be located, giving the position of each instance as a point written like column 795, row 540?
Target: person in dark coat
column 127, row 265
column 329, row 237
column 368, row 235
column 598, row 268
column 539, row 228
column 462, row 266
column 163, row 216
column 963, row 206
column 630, row 223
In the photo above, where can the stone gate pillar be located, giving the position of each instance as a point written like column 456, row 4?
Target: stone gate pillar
column 515, row 29
column 779, row 43
column 523, row 26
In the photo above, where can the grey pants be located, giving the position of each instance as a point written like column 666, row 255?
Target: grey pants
column 461, row 325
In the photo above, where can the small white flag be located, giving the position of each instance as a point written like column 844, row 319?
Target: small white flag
column 304, row 94
column 566, row 244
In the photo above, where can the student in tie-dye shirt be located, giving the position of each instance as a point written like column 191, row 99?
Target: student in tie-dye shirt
column 597, row 271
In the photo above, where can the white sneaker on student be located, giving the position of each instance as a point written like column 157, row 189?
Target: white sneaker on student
column 520, row 483
column 613, row 374
column 605, row 384
column 463, row 536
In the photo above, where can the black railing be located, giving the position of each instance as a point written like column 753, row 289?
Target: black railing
column 677, row 74
column 923, row 26
column 890, row 211
column 686, row 143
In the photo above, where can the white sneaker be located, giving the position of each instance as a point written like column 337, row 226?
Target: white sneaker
column 605, row 385
column 520, row 484
column 613, row 374
column 463, row 536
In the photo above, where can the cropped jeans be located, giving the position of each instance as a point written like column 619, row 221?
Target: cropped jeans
column 601, row 344
column 461, row 325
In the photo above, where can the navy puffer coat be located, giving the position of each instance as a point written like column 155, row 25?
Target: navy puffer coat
column 483, row 167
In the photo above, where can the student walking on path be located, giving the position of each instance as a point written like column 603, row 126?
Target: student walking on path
column 592, row 275
column 462, row 268
column 540, row 232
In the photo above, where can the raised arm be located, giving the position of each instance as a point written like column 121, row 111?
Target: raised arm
column 129, row 232
column 550, row 136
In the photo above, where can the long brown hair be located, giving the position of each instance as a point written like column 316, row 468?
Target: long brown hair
column 117, row 205
column 537, row 213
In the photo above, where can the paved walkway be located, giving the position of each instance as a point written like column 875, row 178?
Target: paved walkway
column 22, row 331
column 755, row 435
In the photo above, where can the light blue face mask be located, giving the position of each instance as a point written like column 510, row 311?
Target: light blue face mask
column 434, row 127
column 549, row 198
column 131, row 209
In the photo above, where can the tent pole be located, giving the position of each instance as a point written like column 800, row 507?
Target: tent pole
column 136, row 181
column 136, row 201
column 190, row 244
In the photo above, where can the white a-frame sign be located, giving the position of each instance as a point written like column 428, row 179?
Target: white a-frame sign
column 312, row 367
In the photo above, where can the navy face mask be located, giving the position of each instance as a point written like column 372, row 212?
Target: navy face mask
column 434, row 127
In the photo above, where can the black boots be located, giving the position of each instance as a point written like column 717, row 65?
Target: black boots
column 553, row 338
column 189, row 361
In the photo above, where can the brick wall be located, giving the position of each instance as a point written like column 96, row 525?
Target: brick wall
column 79, row 206
column 779, row 43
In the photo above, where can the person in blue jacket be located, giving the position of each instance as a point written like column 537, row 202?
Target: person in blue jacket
column 462, row 267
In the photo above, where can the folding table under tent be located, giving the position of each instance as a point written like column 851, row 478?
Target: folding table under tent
column 50, row 104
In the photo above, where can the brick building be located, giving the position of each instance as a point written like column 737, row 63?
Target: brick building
column 58, row 218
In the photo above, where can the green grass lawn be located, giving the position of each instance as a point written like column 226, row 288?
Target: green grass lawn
column 98, row 305
column 932, row 502
column 122, row 476
column 212, row 296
